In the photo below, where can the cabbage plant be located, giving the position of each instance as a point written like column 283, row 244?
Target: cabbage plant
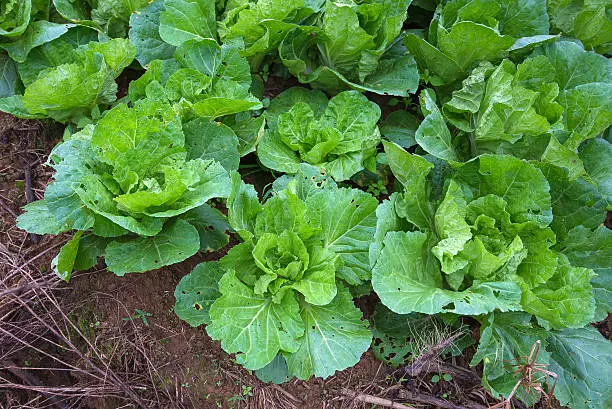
column 132, row 193
column 353, row 45
column 485, row 244
column 339, row 136
column 285, row 288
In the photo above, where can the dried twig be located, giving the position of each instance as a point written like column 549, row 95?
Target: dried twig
column 42, row 253
column 423, row 360
column 30, row 194
column 7, row 208
column 21, row 289
column 287, row 394
column 432, row 400
column 31, row 380
column 374, row 400
column 464, row 375
column 35, row 320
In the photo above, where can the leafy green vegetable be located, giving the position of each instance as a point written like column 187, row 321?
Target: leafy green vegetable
column 503, row 204
column 133, row 187
column 14, row 17
column 202, row 80
column 588, row 21
column 466, row 32
column 487, row 239
column 538, row 109
column 298, row 245
column 263, row 24
column 342, row 140
column 74, row 90
column 575, row 202
column 581, row 358
column 202, row 83
column 352, row 46
column 110, row 16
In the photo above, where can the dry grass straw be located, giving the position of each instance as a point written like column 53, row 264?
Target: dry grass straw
column 35, row 320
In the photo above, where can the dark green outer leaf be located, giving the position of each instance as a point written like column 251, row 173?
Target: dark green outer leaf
column 393, row 334
column 207, row 139
column 574, row 66
column 399, row 127
column 8, row 76
column 196, row 292
column 212, row 227
column 14, row 105
column 39, row 32
column 91, row 247
column 582, row 359
column 275, row 372
column 399, row 77
column 144, row 34
column 335, row 338
column 176, row 242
